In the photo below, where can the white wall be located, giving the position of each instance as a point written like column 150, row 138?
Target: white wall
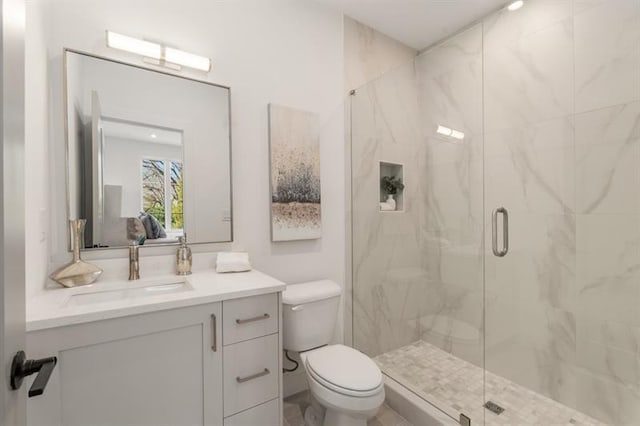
column 285, row 52
column 36, row 149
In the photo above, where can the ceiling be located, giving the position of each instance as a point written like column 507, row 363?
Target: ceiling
column 416, row 23
column 141, row 132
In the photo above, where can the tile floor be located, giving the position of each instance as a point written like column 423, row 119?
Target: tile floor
column 295, row 405
column 456, row 386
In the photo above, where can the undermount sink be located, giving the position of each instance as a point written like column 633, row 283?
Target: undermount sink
column 135, row 291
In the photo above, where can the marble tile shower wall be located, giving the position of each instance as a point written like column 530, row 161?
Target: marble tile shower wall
column 549, row 100
column 388, row 269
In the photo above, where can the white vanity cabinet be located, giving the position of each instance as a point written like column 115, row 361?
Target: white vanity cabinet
column 210, row 364
column 252, row 365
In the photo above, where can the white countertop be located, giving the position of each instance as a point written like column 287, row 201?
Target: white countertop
column 49, row 309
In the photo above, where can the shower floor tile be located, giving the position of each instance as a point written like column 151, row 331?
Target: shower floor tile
column 456, row 386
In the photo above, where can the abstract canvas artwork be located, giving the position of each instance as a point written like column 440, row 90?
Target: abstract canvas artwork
column 294, row 138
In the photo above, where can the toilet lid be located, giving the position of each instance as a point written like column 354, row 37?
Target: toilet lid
column 345, row 368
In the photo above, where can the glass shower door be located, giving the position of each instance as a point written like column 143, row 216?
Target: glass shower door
column 418, row 270
column 562, row 160
column 450, row 79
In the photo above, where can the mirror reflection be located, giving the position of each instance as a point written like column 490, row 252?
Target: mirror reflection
column 139, row 143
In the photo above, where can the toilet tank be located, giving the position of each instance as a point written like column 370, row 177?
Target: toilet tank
column 310, row 312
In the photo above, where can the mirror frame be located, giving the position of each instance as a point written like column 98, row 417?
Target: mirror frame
column 65, row 101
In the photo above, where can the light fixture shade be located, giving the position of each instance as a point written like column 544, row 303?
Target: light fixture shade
column 134, row 45
column 187, row 59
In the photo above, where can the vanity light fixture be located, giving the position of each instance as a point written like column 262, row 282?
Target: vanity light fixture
column 187, row 59
column 158, row 54
column 515, row 5
column 134, row 45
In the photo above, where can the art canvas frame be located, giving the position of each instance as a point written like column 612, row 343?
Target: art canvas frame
column 294, row 159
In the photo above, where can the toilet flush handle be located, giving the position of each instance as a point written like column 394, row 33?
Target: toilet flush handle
column 297, row 308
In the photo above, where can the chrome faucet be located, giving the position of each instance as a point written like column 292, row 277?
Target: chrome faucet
column 134, row 262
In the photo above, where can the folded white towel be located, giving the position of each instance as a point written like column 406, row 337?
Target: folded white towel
column 233, row 262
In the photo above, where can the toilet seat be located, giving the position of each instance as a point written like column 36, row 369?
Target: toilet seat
column 344, row 370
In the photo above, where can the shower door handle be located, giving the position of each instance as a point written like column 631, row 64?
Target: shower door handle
column 505, row 232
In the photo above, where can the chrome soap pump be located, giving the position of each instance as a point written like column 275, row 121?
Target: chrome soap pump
column 183, row 258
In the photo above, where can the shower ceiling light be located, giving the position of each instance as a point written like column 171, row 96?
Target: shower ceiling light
column 515, row 5
column 158, row 54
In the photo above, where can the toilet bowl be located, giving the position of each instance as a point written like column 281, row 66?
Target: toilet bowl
column 346, row 384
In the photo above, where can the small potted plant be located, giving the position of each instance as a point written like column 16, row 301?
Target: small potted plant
column 391, row 185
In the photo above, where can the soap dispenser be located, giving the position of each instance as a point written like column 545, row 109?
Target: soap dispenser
column 183, row 258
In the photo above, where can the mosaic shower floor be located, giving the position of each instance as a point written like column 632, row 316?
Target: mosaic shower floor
column 456, row 386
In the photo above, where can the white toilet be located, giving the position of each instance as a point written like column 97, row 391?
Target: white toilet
column 345, row 382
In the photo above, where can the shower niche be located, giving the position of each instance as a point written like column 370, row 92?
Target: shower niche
column 391, row 187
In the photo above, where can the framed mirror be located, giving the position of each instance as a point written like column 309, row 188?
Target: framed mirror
column 148, row 154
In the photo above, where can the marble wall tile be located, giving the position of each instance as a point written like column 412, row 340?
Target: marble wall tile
column 453, row 53
column 549, row 331
column 505, row 28
column 617, row 335
column 541, row 262
column 612, row 402
column 388, row 279
column 501, row 324
column 531, row 80
column 582, row 5
column 614, row 364
column 607, row 55
column 608, row 267
column 531, row 168
column 453, row 98
column 454, row 213
column 608, row 160
column 369, row 54
column 535, row 367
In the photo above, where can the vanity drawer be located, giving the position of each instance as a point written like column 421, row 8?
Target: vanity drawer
column 249, row 317
column 251, row 373
column 267, row 414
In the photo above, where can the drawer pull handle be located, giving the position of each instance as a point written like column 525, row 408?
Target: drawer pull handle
column 253, row 376
column 259, row 318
